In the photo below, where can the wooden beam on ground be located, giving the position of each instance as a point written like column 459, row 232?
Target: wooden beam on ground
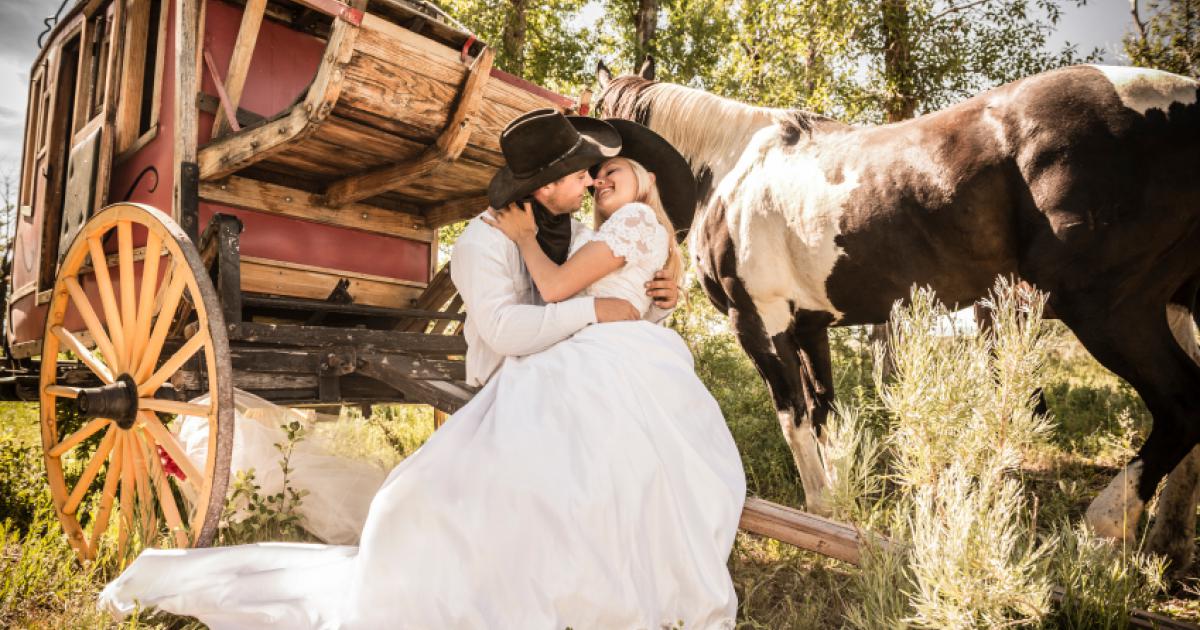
column 843, row 542
column 806, row 531
column 448, row 146
column 240, row 192
column 239, row 63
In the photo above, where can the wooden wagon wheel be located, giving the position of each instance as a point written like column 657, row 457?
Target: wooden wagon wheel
column 143, row 331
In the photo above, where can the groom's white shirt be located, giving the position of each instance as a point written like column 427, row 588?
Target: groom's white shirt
column 505, row 312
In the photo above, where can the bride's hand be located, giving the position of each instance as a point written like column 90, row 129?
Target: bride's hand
column 515, row 221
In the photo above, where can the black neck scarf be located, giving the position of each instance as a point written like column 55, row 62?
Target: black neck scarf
column 554, row 232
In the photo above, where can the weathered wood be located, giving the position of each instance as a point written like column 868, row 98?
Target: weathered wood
column 462, row 122
column 187, row 22
column 212, row 105
column 801, row 529
column 373, row 182
column 345, row 360
column 239, row 192
column 274, row 277
column 319, row 336
column 228, row 111
column 222, row 238
column 129, row 105
column 239, row 62
column 232, row 153
column 448, row 146
column 387, row 370
column 253, row 301
column 455, row 210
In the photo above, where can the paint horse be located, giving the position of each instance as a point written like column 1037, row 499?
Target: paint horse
column 1083, row 180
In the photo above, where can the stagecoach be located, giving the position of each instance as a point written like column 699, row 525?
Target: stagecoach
column 219, row 194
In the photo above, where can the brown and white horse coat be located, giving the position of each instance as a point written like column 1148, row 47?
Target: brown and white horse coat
column 1083, row 180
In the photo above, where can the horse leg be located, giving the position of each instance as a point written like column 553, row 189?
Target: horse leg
column 1138, row 345
column 805, row 352
column 778, row 363
column 1175, row 519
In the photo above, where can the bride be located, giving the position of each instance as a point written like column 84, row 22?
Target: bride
column 593, row 484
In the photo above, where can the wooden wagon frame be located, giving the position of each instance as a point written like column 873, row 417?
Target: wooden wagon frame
column 293, row 204
column 362, row 134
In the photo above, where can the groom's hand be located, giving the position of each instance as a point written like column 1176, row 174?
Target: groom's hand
column 663, row 290
column 615, row 310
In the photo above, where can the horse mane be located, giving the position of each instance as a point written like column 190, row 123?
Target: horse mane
column 706, row 128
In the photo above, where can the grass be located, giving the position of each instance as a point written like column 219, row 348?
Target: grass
column 896, row 452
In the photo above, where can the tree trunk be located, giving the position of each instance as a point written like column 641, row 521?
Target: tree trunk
column 898, row 70
column 514, row 38
column 645, row 25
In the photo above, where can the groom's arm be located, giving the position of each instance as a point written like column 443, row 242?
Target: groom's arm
column 507, row 326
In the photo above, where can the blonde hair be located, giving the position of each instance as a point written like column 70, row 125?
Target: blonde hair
column 647, row 193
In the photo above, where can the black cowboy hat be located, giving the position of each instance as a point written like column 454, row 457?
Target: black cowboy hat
column 676, row 183
column 542, row 146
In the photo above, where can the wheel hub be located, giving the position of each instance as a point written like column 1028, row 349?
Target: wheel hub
column 117, row 402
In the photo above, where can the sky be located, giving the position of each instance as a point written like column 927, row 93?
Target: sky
column 1098, row 24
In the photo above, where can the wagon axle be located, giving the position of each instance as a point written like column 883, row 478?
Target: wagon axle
column 117, row 401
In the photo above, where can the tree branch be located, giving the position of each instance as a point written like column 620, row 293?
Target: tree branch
column 1138, row 23
column 963, row 7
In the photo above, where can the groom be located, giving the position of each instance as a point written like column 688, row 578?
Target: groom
column 548, row 156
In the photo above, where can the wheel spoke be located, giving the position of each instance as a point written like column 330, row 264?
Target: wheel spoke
column 142, row 485
column 126, row 498
column 162, row 326
column 95, row 328
column 172, row 365
column 167, row 440
column 108, row 300
column 85, row 355
column 166, row 498
column 62, row 391
column 100, row 521
column 146, row 303
column 128, row 289
column 89, row 473
column 171, row 406
column 75, row 438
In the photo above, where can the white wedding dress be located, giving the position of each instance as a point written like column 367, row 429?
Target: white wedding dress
column 591, row 485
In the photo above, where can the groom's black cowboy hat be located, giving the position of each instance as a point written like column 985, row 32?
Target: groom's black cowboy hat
column 543, row 146
column 672, row 174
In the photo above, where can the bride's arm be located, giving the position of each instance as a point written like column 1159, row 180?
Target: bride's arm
column 556, row 283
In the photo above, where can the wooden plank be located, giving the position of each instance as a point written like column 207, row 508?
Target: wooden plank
column 232, row 153
column 385, row 41
column 324, row 336
column 129, row 105
column 455, row 210
column 239, row 63
column 448, row 146
column 240, row 192
column 792, row 526
column 375, row 181
column 278, row 278
column 462, row 122
column 187, row 76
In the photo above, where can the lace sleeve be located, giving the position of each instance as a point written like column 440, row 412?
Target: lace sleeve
column 630, row 232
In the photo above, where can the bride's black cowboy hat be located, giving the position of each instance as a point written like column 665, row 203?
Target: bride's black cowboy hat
column 672, row 174
column 543, row 146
